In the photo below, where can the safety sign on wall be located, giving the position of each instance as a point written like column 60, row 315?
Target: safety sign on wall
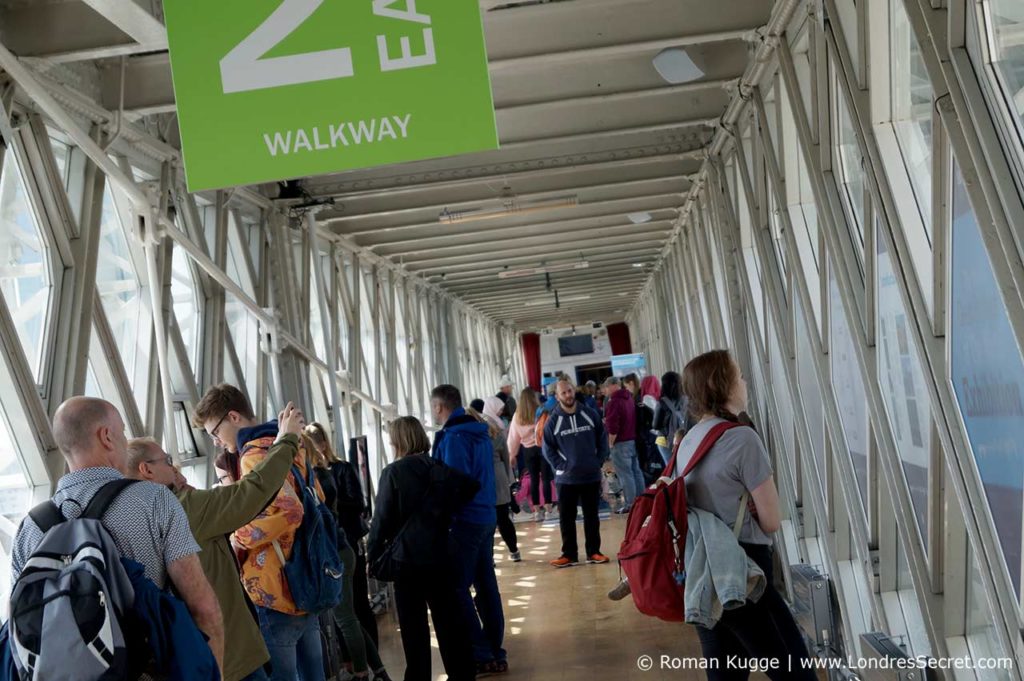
column 279, row 89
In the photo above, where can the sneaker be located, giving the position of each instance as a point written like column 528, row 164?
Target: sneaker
column 562, row 562
column 621, row 590
column 598, row 559
column 381, row 675
column 515, row 556
column 539, row 515
column 623, row 511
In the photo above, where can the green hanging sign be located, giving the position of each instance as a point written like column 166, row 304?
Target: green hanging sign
column 269, row 90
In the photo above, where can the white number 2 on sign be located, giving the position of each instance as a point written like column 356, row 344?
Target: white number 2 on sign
column 245, row 69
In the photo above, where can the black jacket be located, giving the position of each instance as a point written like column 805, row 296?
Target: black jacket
column 326, row 480
column 351, row 505
column 425, row 490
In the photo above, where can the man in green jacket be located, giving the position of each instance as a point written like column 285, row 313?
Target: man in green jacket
column 213, row 514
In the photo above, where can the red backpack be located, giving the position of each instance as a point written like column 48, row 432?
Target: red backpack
column 653, row 550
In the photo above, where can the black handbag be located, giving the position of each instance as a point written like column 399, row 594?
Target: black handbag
column 398, row 559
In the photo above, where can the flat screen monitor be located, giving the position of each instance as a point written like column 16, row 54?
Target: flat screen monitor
column 575, row 345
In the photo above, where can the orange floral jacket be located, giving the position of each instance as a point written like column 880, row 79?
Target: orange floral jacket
column 262, row 571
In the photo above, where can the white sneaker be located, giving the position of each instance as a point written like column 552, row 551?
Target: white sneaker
column 539, row 515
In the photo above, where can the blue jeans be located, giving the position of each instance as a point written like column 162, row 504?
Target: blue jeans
column 666, row 454
column 294, row 645
column 627, row 467
column 474, row 566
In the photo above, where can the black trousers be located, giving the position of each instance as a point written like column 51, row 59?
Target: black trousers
column 569, row 498
column 361, row 594
column 765, row 629
column 507, row 527
column 412, row 597
column 539, row 468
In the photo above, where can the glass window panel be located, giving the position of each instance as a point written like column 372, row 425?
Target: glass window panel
column 982, row 639
column 848, row 387
column 903, row 387
column 810, row 393
column 25, row 277
column 244, row 330
column 911, row 97
column 779, row 386
column 1006, row 30
column 988, row 377
column 185, row 297
column 123, row 300
column 61, row 152
column 849, row 164
column 15, row 499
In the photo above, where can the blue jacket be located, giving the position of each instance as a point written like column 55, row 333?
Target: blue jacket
column 465, row 444
column 179, row 648
column 719, row 574
column 575, row 445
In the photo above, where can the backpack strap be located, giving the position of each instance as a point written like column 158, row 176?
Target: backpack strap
column 705, row 446
column 104, row 497
column 46, row 516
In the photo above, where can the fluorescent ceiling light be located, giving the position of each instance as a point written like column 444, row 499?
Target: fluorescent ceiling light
column 545, row 301
column 638, row 264
column 544, row 269
column 676, row 66
column 639, row 218
column 509, row 206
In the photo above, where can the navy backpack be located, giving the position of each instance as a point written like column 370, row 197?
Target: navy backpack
column 314, row 571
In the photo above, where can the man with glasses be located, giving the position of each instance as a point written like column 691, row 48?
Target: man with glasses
column 215, row 513
column 292, row 636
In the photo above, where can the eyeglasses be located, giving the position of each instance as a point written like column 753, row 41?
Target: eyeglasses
column 165, row 459
column 213, row 433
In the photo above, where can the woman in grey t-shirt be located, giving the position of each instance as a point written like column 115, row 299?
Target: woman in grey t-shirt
column 738, row 464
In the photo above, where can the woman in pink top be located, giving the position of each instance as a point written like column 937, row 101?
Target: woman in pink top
column 522, row 433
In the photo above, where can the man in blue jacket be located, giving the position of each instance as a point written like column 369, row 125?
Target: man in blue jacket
column 576, row 446
column 465, row 444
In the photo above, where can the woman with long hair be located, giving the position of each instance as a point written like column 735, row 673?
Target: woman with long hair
column 359, row 646
column 491, row 416
column 419, row 494
column 737, row 467
column 670, row 415
column 522, row 433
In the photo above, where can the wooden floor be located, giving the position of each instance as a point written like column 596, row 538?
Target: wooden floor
column 560, row 625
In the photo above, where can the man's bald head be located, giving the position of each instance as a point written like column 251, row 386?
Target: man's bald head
column 87, row 426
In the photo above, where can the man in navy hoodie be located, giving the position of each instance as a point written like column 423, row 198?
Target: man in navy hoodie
column 465, row 444
column 576, row 446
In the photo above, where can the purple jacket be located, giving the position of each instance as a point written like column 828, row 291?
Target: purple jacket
column 620, row 416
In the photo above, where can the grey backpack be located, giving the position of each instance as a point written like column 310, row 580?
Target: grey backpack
column 72, row 597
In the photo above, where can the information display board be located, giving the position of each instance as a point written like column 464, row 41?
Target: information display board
column 623, row 365
column 280, row 89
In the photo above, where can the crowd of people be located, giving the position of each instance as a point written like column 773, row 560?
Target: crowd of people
column 226, row 552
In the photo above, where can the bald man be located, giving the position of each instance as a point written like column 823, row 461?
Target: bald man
column 145, row 520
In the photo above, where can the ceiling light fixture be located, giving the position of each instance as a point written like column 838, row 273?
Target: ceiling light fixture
column 638, row 264
column 544, row 269
column 508, row 206
column 639, row 218
column 676, row 66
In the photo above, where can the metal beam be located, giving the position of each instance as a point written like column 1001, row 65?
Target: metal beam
column 539, row 246
column 475, row 269
column 589, row 54
column 528, row 236
column 131, row 18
